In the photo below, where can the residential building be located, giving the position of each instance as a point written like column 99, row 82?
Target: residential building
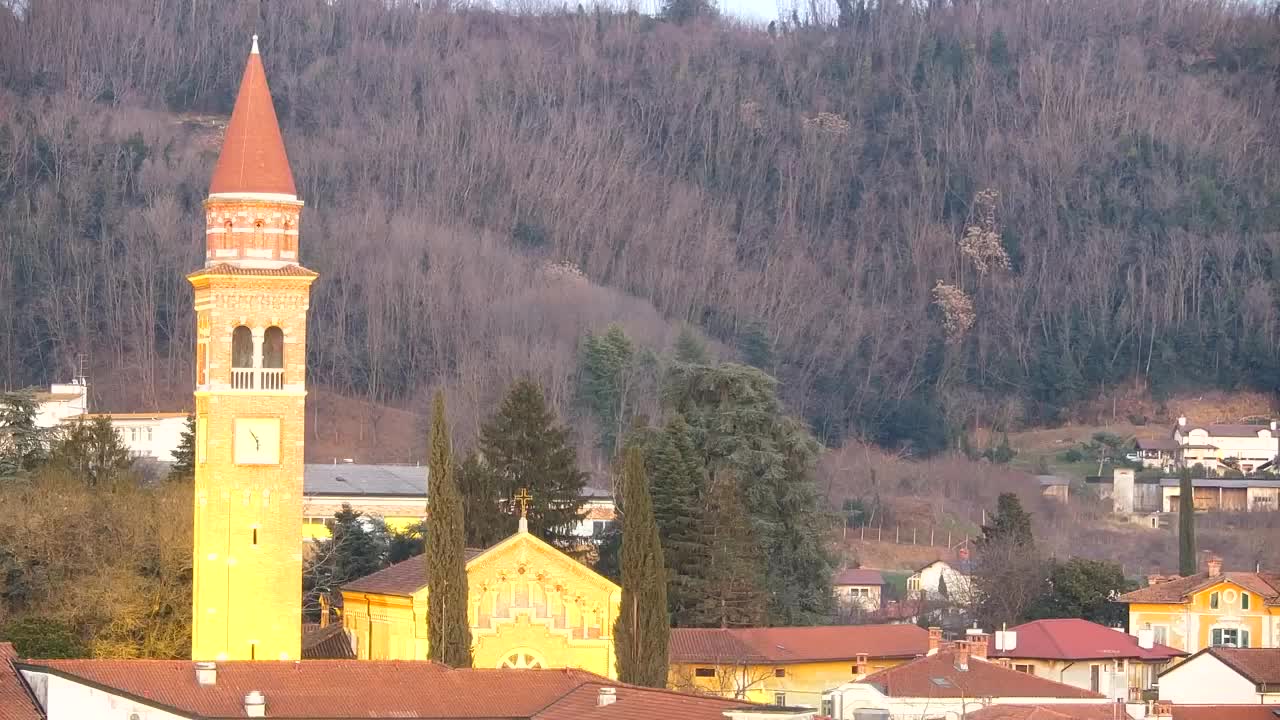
column 147, row 435
column 529, row 606
column 1219, row 446
column 940, row 581
column 1211, row 608
column 1087, row 655
column 340, row 689
column 788, row 665
column 1052, row 711
column 1225, row 676
column 955, row 681
column 63, row 402
column 1159, row 453
column 858, row 588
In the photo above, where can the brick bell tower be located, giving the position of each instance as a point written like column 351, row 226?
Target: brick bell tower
column 251, row 301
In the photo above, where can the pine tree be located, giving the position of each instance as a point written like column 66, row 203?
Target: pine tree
column 733, row 594
column 523, row 447
column 677, row 474
column 643, row 627
column 486, row 522
column 184, row 456
column 354, row 549
column 448, row 631
column 91, row 450
column 1010, row 522
column 22, row 444
column 605, row 368
column 1186, row 524
column 689, row 348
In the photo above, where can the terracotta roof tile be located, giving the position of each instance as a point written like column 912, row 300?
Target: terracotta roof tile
column 784, row 645
column 325, row 643
column 15, row 702
column 1226, row 712
column 1076, row 639
column 635, row 703
column 229, row 269
column 1258, row 665
column 858, row 576
column 404, row 578
column 938, row 676
column 253, row 159
column 1052, row 711
column 1176, row 591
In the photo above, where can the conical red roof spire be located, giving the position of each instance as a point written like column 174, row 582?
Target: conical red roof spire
column 253, row 159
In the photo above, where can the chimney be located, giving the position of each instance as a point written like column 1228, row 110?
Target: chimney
column 255, row 705
column 978, row 643
column 1214, row 566
column 860, row 667
column 606, row 696
column 962, row 656
column 935, row 640
column 1146, row 638
column 206, row 674
column 1163, row 708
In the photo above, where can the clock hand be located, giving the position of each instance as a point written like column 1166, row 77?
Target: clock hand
column 257, row 444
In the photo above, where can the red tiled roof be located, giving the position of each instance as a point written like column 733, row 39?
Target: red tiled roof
column 1177, row 591
column 404, row 578
column 858, row 576
column 784, row 645
column 1052, row 711
column 938, row 676
column 1258, row 665
column 15, row 702
column 229, row 269
column 1226, row 712
column 325, row 643
column 1076, row 639
column 381, row 689
column 253, row 159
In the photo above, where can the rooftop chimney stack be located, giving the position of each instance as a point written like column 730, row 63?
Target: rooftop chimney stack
column 935, row 639
column 1146, row 638
column 860, row 669
column 255, row 705
column 978, row 644
column 962, row 656
column 206, row 674
column 606, row 696
column 1214, row 566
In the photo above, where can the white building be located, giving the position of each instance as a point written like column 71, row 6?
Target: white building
column 63, row 402
column 939, row 581
column 1224, row 676
column 1218, row 446
column 147, row 435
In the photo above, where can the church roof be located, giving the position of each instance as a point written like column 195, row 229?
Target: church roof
column 325, row 643
column 253, row 159
column 404, row 578
column 780, row 645
column 382, row 689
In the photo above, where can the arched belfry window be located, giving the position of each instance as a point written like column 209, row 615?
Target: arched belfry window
column 226, row 239
column 273, row 348
column 242, row 358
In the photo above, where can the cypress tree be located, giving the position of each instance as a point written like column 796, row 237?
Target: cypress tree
column 1186, row 524
column 523, row 447
column 677, row 475
column 643, row 628
column 448, row 633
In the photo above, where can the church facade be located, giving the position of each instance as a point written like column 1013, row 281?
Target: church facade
column 529, row 606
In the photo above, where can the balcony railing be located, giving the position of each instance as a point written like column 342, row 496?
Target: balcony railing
column 242, row 378
column 273, row 378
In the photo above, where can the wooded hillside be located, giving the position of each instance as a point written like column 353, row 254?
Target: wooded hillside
column 796, row 193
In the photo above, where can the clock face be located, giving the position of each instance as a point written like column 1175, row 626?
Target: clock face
column 257, row 441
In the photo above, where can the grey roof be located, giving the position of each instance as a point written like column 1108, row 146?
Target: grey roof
column 1158, row 444
column 1223, row 482
column 1052, row 480
column 352, row 479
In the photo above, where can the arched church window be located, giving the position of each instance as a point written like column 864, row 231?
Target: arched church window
column 522, row 660
column 273, row 348
column 242, row 358
column 226, row 238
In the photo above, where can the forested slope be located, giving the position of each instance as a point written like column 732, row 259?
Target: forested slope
column 797, row 194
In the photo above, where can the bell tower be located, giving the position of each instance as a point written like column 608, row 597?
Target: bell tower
column 251, row 301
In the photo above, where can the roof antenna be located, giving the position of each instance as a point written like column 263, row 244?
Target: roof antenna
column 254, row 51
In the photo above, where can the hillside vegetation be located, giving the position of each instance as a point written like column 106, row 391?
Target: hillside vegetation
column 797, row 194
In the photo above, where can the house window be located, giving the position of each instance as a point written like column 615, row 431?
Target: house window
column 1028, row 669
column 780, row 699
column 1160, row 634
column 779, row 672
column 1095, row 677
column 1213, row 601
column 1244, row 601
column 704, row 672
column 1229, row 637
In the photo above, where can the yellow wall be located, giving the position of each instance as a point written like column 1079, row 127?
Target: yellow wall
column 803, row 683
column 527, row 602
column 317, row 531
column 247, row 565
column 1189, row 625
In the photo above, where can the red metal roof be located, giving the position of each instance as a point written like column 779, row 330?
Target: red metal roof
column 784, row 645
column 15, row 702
column 937, row 676
column 1076, row 639
column 253, row 159
column 858, row 576
column 336, row 689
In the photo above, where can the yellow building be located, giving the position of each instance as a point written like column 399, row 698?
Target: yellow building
column 1208, row 609
column 529, row 606
column 789, row 665
column 251, row 301
column 395, row 493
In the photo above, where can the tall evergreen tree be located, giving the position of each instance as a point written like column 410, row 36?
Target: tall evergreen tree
column 1010, row 522
column 605, row 365
column 524, row 447
column 1186, row 524
column 643, row 627
column 92, row 450
column 22, row 444
column 448, row 631
column 733, row 592
column 690, row 348
column 486, row 522
column 737, row 420
column 677, row 474
column 184, row 456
